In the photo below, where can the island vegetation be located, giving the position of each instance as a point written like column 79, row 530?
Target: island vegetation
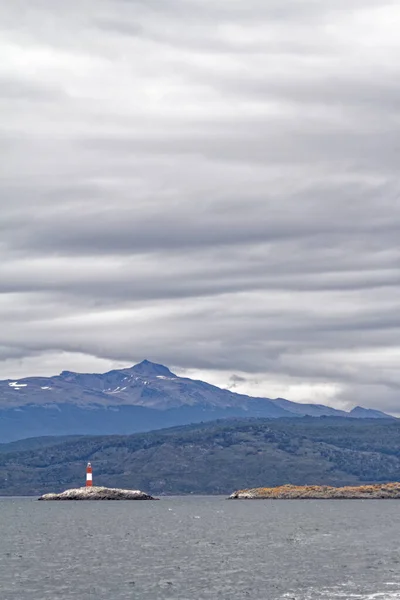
column 320, row 492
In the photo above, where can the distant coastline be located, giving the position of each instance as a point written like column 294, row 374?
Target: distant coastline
column 218, row 457
column 321, row 492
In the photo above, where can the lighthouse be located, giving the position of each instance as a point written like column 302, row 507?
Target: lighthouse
column 89, row 476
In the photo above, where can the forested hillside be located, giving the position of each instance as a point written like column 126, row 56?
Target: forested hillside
column 216, row 457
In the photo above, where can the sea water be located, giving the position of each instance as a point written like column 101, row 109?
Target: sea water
column 195, row 548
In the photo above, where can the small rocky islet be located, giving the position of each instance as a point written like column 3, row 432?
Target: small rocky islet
column 320, row 492
column 98, row 493
column 283, row 492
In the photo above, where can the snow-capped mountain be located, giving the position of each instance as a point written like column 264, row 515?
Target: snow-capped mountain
column 145, row 396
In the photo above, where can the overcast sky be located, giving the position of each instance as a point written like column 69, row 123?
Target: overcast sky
column 213, row 185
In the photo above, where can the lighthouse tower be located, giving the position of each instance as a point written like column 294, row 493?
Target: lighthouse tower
column 89, row 476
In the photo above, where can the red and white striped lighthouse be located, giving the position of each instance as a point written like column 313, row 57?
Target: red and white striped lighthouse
column 89, row 476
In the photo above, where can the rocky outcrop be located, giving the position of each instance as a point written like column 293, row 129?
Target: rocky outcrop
column 98, row 493
column 320, row 492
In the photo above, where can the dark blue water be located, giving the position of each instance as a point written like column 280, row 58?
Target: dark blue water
column 199, row 548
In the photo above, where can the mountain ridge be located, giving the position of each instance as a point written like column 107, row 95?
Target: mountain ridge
column 139, row 398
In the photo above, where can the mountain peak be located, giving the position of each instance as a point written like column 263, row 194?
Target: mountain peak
column 368, row 413
column 148, row 369
column 66, row 374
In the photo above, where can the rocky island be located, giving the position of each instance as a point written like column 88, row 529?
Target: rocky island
column 321, row 492
column 98, row 493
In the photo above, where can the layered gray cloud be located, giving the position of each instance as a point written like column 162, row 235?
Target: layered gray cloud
column 210, row 185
